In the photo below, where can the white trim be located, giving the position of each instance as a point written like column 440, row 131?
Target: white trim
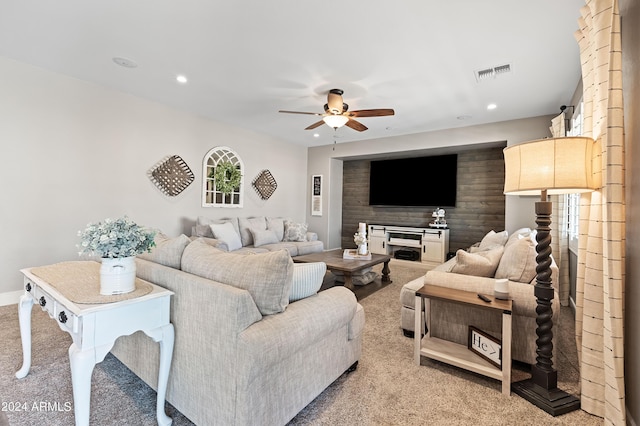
column 10, row 297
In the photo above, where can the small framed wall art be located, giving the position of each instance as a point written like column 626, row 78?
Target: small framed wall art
column 488, row 347
column 316, row 195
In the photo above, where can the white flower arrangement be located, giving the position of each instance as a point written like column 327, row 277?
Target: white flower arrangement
column 116, row 238
column 359, row 239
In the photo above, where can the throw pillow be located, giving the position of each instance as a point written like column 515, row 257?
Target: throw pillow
column 276, row 224
column 307, row 279
column 481, row 264
column 518, row 234
column 493, row 239
column 261, row 238
column 246, row 224
column 168, row 251
column 519, row 261
column 295, row 231
column 202, row 225
column 227, row 234
column 266, row 276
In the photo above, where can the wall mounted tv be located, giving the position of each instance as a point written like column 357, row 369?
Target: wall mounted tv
column 414, row 182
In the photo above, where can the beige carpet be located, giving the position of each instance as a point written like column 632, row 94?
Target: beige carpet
column 386, row 389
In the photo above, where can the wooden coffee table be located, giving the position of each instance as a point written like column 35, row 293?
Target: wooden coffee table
column 334, row 261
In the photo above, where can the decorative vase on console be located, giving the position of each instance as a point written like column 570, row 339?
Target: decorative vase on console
column 117, row 242
column 360, row 238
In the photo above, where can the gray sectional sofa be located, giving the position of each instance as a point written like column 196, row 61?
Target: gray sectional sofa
column 255, row 341
column 260, row 234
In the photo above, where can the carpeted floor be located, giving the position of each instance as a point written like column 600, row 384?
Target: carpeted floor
column 386, row 389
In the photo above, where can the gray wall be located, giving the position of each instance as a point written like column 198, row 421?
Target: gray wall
column 74, row 153
column 479, row 205
column 630, row 13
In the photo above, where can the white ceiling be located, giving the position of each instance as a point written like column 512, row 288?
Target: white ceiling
column 245, row 60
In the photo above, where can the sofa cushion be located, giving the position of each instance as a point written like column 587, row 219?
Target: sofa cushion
column 266, row 276
column 518, row 262
column 203, row 222
column 262, row 237
column 481, row 264
column 519, row 234
column 294, row 231
column 276, row 224
column 227, row 234
column 168, row 251
column 307, row 279
column 493, row 239
column 246, row 224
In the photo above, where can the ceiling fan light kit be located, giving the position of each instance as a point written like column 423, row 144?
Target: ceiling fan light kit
column 335, row 121
column 336, row 114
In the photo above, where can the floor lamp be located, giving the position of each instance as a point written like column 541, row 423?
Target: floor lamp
column 547, row 167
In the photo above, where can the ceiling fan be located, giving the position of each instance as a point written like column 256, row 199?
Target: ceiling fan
column 336, row 115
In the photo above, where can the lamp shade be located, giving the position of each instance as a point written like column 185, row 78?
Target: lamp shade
column 336, row 121
column 558, row 165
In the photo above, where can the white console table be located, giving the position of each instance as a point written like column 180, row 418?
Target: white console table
column 94, row 329
column 430, row 244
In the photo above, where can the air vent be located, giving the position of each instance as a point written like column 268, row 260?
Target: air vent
column 487, row 73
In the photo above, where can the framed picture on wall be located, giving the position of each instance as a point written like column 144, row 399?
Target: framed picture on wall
column 316, row 195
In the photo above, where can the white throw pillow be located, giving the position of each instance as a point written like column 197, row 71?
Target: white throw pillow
column 227, row 234
column 307, row 279
column 262, row 237
column 493, row 239
column 481, row 264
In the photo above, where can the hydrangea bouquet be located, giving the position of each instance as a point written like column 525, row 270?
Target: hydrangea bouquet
column 116, row 238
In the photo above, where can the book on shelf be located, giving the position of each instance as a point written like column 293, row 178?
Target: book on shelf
column 353, row 254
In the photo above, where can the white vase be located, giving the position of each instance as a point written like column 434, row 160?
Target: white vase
column 117, row 275
column 362, row 248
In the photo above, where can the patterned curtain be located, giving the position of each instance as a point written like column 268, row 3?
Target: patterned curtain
column 559, row 217
column 601, row 247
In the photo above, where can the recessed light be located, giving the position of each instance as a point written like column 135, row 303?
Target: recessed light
column 492, row 106
column 316, row 135
column 181, row 79
column 124, row 62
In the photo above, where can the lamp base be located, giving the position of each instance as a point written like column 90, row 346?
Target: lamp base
column 554, row 401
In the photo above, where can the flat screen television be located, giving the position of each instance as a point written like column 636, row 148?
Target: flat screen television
column 414, row 182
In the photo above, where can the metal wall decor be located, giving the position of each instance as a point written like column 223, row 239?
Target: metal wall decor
column 265, row 184
column 171, row 175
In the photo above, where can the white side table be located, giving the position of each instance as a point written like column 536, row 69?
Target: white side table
column 94, row 329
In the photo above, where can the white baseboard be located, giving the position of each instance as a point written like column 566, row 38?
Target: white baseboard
column 10, row 297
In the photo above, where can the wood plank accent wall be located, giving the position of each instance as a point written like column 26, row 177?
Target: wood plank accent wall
column 479, row 204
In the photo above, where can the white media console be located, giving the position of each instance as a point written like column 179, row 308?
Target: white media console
column 427, row 245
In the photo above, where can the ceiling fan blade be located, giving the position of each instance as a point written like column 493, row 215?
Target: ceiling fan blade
column 381, row 112
column 314, row 125
column 301, row 112
column 356, row 125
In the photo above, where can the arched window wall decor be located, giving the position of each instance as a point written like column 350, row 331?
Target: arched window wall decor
column 218, row 195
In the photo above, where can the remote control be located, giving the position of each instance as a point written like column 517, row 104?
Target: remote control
column 484, row 298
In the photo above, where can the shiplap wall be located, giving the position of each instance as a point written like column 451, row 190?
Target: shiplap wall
column 479, row 204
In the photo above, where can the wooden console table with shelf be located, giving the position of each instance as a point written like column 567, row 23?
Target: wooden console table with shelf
column 455, row 353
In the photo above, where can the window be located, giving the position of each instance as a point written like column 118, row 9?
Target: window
column 230, row 168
